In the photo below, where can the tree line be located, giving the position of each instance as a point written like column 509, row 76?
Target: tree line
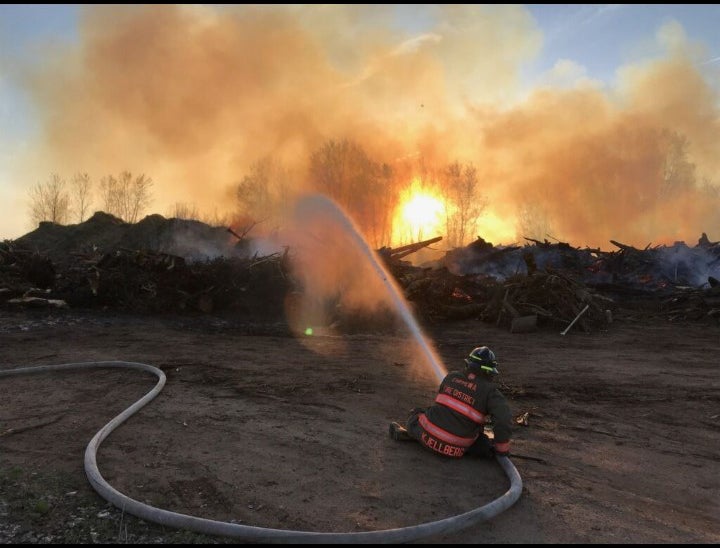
column 62, row 201
column 368, row 189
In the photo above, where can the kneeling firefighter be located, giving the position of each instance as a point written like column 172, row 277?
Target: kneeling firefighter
column 453, row 425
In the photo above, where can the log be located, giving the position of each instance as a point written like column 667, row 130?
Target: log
column 405, row 250
column 623, row 246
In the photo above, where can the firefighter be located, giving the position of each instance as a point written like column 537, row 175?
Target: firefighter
column 453, row 425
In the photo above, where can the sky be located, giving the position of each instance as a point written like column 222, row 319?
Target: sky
column 551, row 101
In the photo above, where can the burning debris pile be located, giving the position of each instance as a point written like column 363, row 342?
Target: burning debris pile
column 628, row 271
column 520, row 302
column 544, row 283
column 157, row 266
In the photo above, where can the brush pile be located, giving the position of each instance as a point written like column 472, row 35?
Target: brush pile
column 156, row 266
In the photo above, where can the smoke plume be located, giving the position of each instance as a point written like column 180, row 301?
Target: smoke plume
column 194, row 95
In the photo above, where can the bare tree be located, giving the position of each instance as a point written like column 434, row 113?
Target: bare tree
column 49, row 201
column 263, row 195
column 137, row 196
column 81, row 195
column 126, row 197
column 678, row 172
column 216, row 219
column 183, row 210
column 382, row 201
column 463, row 203
column 709, row 188
column 533, row 222
column 709, row 194
column 339, row 169
column 344, row 172
column 261, row 192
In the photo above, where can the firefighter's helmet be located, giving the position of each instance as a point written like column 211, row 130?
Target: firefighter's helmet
column 484, row 359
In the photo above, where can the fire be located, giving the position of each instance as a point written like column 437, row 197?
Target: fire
column 420, row 214
column 495, row 228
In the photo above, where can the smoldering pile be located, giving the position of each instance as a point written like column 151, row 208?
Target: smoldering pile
column 552, row 284
column 154, row 266
column 170, row 266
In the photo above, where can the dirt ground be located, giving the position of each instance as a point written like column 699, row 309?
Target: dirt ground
column 264, row 428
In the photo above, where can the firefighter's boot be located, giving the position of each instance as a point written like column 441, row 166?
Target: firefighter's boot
column 399, row 432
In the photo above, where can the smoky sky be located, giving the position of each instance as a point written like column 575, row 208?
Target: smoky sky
column 193, row 95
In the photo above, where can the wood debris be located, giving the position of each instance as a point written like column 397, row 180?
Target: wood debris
column 522, row 288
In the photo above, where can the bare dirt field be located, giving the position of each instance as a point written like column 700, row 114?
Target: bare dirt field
column 262, row 428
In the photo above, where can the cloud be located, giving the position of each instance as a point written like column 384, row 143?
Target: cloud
column 568, row 74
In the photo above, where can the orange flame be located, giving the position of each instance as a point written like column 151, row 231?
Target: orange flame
column 420, row 214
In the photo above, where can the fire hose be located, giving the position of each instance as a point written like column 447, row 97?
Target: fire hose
column 250, row 533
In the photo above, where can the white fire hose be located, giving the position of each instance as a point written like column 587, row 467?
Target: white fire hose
column 250, row 533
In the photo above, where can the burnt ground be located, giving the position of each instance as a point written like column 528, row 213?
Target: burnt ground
column 264, row 428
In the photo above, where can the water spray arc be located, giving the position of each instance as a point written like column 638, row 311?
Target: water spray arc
column 317, row 203
column 250, row 533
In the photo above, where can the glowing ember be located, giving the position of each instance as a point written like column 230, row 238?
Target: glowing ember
column 460, row 294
